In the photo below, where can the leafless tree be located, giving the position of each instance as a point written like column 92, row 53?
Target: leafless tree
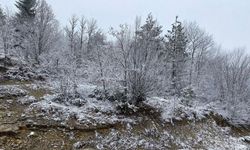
column 199, row 44
column 71, row 34
column 46, row 29
column 82, row 32
column 91, row 30
column 6, row 32
column 123, row 49
column 100, row 57
column 232, row 74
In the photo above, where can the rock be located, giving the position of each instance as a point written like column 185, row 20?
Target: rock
column 7, row 61
column 246, row 139
column 23, row 117
column 25, row 73
column 32, row 134
column 79, row 101
column 10, row 91
column 91, row 96
column 3, row 108
column 10, row 101
column 29, row 121
column 8, row 129
column 83, row 146
column 27, row 100
column 88, row 149
column 9, row 114
column 3, row 69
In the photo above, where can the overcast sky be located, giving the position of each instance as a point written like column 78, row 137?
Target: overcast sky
column 227, row 20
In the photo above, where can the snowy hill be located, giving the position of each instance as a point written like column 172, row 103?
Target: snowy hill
column 34, row 115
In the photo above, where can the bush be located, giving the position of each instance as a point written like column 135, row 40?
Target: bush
column 126, row 108
column 119, row 97
column 99, row 94
column 188, row 95
column 123, row 104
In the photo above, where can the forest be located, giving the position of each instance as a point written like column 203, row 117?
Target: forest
column 79, row 78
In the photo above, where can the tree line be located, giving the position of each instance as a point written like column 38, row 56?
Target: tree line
column 136, row 60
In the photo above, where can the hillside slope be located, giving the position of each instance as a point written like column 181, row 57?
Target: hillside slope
column 34, row 115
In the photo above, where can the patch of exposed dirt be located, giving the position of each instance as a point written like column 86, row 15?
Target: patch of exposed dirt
column 19, row 131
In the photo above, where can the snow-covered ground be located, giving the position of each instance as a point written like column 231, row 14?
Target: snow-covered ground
column 180, row 126
column 86, row 111
column 173, row 109
column 9, row 91
column 92, row 111
column 205, row 135
column 135, row 132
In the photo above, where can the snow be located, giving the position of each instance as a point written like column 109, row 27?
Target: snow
column 172, row 108
column 240, row 117
column 27, row 100
column 31, row 134
column 245, row 139
column 207, row 137
column 220, row 138
column 218, row 84
column 86, row 89
column 11, row 91
column 93, row 112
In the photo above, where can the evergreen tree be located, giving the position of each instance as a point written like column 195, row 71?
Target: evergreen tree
column 2, row 17
column 27, row 9
column 149, row 40
column 176, row 48
column 25, row 28
column 144, row 59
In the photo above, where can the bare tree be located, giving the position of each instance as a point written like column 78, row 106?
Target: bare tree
column 46, row 29
column 82, row 32
column 6, row 32
column 100, row 56
column 91, row 30
column 123, row 48
column 199, row 44
column 232, row 74
column 71, row 34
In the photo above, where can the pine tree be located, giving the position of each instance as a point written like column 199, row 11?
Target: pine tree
column 26, row 9
column 176, row 48
column 144, row 59
column 149, row 39
column 2, row 17
column 25, row 28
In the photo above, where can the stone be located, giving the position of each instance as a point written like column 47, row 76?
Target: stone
column 9, row 114
column 8, row 129
column 246, row 139
column 27, row 100
column 9, row 91
column 32, row 134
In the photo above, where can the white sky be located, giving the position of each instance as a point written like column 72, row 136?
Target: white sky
column 227, row 20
